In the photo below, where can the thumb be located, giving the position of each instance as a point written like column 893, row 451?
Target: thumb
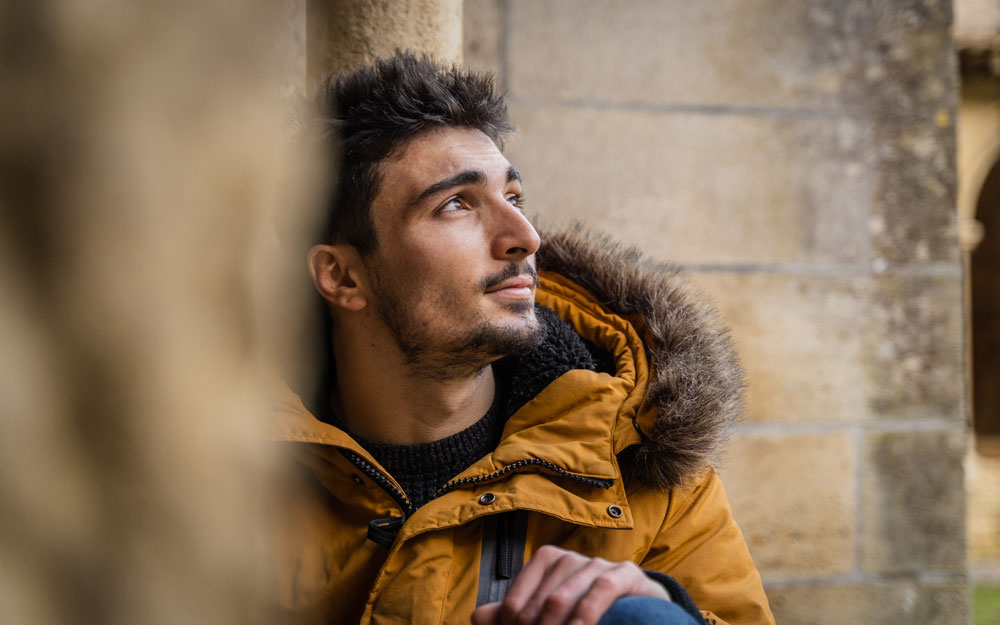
column 486, row 614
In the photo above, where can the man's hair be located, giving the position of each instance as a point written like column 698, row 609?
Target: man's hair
column 370, row 113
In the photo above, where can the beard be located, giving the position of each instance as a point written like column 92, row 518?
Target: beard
column 433, row 354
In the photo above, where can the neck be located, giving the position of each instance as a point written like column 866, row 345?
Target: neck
column 383, row 398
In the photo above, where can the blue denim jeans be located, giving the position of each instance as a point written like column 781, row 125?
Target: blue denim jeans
column 645, row 611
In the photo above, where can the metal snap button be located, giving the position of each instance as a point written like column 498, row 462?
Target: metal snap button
column 487, row 498
column 614, row 511
column 357, row 479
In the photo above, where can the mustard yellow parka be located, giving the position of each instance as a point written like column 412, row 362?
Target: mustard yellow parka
column 610, row 466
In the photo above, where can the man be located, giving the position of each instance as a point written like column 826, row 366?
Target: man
column 509, row 429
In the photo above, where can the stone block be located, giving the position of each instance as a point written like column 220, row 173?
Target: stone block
column 793, row 497
column 482, row 27
column 700, row 189
column 845, row 348
column 914, row 191
column 914, row 502
column 913, row 353
column 902, row 601
column 343, row 35
column 894, row 59
column 802, row 340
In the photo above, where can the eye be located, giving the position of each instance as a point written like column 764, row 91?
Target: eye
column 455, row 204
column 516, row 200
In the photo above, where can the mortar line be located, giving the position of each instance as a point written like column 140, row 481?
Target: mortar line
column 864, row 578
column 828, row 269
column 791, row 429
column 673, row 108
column 686, row 108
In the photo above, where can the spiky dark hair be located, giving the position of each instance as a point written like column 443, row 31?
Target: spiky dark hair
column 368, row 114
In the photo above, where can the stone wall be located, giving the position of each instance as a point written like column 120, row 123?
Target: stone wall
column 799, row 160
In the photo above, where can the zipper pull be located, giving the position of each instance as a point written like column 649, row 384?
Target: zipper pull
column 383, row 532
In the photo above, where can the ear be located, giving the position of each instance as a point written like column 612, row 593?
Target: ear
column 337, row 272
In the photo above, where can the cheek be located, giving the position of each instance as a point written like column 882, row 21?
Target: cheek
column 444, row 258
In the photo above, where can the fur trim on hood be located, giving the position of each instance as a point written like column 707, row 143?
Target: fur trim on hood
column 697, row 381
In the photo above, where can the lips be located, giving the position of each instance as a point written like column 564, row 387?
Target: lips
column 517, row 282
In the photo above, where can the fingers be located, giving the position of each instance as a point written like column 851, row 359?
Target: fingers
column 546, row 570
column 556, row 605
column 614, row 582
column 486, row 614
column 559, row 586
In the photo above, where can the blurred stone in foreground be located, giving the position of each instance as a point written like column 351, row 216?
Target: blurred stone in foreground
column 141, row 148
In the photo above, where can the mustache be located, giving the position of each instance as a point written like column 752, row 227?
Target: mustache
column 510, row 271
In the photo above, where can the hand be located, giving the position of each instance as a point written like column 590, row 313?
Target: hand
column 559, row 586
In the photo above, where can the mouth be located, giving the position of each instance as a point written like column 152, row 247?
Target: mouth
column 518, row 287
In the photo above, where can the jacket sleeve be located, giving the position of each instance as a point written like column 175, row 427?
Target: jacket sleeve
column 700, row 545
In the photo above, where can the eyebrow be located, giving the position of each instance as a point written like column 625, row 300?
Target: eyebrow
column 469, row 176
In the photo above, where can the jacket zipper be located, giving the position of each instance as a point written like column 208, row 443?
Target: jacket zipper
column 589, row 481
column 382, row 480
column 400, row 498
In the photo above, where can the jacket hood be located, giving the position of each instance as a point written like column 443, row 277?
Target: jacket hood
column 696, row 386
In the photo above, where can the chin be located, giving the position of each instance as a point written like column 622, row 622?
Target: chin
column 523, row 307
column 522, row 333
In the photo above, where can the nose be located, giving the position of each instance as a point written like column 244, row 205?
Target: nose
column 514, row 237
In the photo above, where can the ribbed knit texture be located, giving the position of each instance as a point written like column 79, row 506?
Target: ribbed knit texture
column 423, row 469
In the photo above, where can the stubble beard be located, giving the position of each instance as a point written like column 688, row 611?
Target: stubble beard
column 429, row 354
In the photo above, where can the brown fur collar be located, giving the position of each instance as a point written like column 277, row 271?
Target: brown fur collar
column 697, row 381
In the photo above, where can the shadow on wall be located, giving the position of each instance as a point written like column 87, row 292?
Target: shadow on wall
column 139, row 273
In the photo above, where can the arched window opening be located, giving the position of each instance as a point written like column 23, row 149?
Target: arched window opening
column 985, row 280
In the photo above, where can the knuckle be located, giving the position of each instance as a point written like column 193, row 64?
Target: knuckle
column 630, row 569
column 605, row 584
column 558, row 602
column 549, row 551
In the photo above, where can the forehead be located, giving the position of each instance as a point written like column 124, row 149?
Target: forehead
column 436, row 155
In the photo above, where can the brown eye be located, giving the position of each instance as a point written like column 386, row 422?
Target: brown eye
column 452, row 205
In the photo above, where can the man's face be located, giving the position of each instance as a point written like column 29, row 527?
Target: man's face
column 453, row 276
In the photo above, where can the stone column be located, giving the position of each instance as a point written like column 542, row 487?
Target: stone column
column 345, row 33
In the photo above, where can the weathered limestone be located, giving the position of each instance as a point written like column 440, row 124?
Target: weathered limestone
column 345, row 33
column 697, row 188
column 483, row 48
column 914, row 176
column 872, row 602
column 797, row 504
column 800, row 161
column 783, row 325
column 889, row 346
column 735, row 53
column 911, row 522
